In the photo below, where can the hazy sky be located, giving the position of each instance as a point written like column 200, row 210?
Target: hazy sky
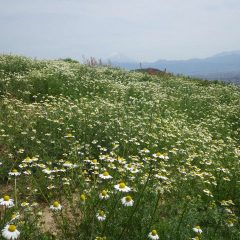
column 145, row 30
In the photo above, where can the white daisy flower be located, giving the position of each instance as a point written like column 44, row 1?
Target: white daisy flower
column 94, row 162
column 68, row 164
column 15, row 216
column 21, row 150
column 10, row 232
column 95, row 172
column 24, row 204
column 56, row 206
column 129, row 166
column 127, row 201
column 134, row 170
column 197, row 229
column 159, row 176
column 87, row 160
column 27, row 160
column 101, row 216
column 112, row 166
column 47, row 171
column 27, row 172
column 94, row 141
column 23, row 165
column 14, row 172
column 160, row 156
column 6, row 201
column 145, row 150
column 35, row 159
column 103, row 149
column 105, row 175
column 153, row 235
column 51, row 186
column 229, row 223
column 104, row 195
column 41, row 165
column 69, row 135
column 122, row 187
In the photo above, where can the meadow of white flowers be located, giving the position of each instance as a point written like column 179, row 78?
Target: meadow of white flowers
column 100, row 153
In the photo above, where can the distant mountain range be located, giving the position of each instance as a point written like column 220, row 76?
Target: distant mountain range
column 224, row 66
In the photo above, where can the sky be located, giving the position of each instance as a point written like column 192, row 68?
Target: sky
column 144, row 30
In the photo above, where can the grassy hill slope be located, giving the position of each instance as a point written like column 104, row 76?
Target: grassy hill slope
column 173, row 140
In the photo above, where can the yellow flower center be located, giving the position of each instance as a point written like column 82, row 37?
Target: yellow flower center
column 69, row 135
column 128, row 198
column 101, row 213
column 83, row 197
column 6, row 198
column 154, row 232
column 28, row 159
column 56, row 204
column 67, row 162
column 12, row 228
column 122, row 185
column 105, row 174
column 14, row 170
column 104, row 192
column 158, row 154
column 94, row 160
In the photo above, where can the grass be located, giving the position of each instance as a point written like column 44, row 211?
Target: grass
column 173, row 140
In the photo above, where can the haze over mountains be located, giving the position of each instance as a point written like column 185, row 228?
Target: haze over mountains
column 223, row 66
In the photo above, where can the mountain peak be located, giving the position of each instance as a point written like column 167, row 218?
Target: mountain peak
column 230, row 53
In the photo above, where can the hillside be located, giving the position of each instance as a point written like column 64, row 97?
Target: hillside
column 103, row 153
column 224, row 66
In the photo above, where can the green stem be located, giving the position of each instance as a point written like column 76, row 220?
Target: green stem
column 15, row 190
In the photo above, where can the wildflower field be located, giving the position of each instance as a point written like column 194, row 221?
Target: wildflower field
column 104, row 154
